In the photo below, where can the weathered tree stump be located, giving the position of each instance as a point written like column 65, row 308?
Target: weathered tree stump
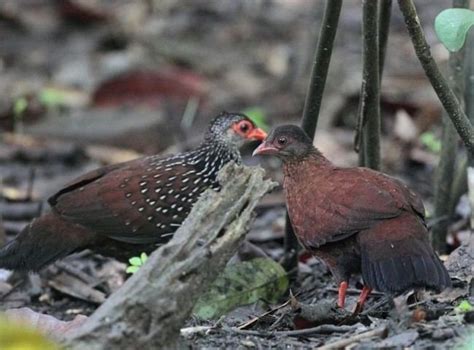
column 151, row 307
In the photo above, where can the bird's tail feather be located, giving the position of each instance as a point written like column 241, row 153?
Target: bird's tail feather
column 397, row 255
column 397, row 275
column 45, row 240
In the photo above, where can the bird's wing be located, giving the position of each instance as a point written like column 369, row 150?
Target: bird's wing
column 129, row 202
column 350, row 200
column 397, row 255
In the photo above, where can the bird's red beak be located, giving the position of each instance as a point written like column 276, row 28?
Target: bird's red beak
column 263, row 148
column 257, row 134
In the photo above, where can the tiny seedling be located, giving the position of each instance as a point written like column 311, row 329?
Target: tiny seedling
column 19, row 108
column 430, row 141
column 52, row 98
column 136, row 262
column 463, row 307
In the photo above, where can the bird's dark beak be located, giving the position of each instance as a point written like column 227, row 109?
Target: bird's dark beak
column 257, row 134
column 263, row 148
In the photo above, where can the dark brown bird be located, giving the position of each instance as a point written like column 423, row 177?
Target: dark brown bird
column 356, row 220
column 132, row 207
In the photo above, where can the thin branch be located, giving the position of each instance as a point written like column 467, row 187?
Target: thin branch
column 385, row 13
column 439, row 83
column 384, row 16
column 380, row 332
column 469, row 91
column 459, row 186
column 370, row 91
column 312, row 105
column 323, row 329
column 447, row 162
column 320, row 66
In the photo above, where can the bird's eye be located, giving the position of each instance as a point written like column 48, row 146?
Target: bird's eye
column 282, row 141
column 244, row 127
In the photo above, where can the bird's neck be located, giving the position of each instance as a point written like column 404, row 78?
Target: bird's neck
column 306, row 166
column 210, row 157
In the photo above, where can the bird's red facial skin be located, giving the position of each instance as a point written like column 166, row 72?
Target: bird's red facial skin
column 247, row 130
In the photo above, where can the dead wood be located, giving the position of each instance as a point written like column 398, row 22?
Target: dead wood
column 380, row 332
column 151, row 307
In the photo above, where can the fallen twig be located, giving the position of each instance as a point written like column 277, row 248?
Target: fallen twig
column 323, row 329
column 377, row 332
column 255, row 319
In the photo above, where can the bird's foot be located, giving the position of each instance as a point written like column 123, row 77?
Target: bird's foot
column 341, row 298
column 362, row 299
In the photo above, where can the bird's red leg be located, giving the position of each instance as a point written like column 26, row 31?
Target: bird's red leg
column 341, row 299
column 362, row 298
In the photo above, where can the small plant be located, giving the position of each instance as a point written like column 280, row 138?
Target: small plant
column 452, row 25
column 463, row 307
column 136, row 262
column 430, row 141
column 19, row 108
column 52, row 98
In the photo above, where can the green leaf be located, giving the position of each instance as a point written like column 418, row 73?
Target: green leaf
column 51, row 97
column 135, row 261
column 143, row 258
column 452, row 25
column 431, row 141
column 19, row 107
column 242, row 284
column 132, row 269
column 463, row 307
column 257, row 115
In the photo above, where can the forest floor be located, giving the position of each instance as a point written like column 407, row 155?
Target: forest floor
column 87, row 86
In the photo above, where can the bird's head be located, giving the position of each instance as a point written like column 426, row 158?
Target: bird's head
column 287, row 142
column 234, row 129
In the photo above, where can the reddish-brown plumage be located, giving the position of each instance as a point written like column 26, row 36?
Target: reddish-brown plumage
column 355, row 219
column 124, row 209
